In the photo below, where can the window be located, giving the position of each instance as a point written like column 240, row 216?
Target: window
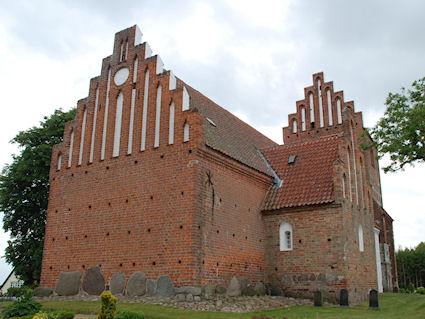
column 59, row 161
column 186, row 133
column 294, row 126
column 338, row 111
column 302, row 118
column 361, row 243
column 330, row 120
column 71, row 146
column 285, row 236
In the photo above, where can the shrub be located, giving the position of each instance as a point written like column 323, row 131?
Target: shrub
column 124, row 314
column 410, row 288
column 420, row 290
column 16, row 292
column 22, row 307
column 109, row 306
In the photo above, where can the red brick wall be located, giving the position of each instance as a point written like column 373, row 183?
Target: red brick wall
column 232, row 233
column 132, row 212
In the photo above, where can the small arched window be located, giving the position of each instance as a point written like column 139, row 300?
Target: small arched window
column 285, row 236
column 294, row 126
column 71, row 147
column 311, row 107
column 338, row 111
column 330, row 120
column 361, row 243
column 59, row 161
column 302, row 118
column 186, row 132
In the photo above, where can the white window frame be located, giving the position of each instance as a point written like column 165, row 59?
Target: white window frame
column 285, row 241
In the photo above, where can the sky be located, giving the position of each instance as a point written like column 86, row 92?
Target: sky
column 254, row 58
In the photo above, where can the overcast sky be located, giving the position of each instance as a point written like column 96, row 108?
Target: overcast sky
column 252, row 57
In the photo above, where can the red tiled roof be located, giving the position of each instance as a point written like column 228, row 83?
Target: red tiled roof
column 309, row 180
column 230, row 135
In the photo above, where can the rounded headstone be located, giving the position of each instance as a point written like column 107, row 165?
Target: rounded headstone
column 220, row 289
column 234, row 288
column 151, row 287
column 260, row 289
column 42, row 292
column 164, row 286
column 343, row 298
column 209, row 291
column 117, row 284
column 68, row 283
column 276, row 291
column 373, row 299
column 94, row 282
column 136, row 285
column 189, row 297
column 318, row 299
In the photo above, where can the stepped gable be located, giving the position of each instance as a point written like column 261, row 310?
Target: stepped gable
column 229, row 135
column 307, row 181
column 319, row 114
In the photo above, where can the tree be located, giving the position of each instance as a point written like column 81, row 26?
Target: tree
column 401, row 132
column 24, row 191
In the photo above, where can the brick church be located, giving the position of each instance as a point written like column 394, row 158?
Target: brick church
column 153, row 176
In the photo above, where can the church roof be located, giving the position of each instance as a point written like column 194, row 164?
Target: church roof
column 229, row 135
column 308, row 179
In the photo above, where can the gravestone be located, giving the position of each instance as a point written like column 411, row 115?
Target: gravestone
column 260, row 289
column 318, row 299
column 343, row 298
column 373, row 300
column 68, row 283
column 220, row 289
column 136, row 285
column 94, row 282
column 234, row 288
column 117, row 284
column 42, row 292
column 195, row 291
column 164, row 286
column 209, row 291
column 151, row 287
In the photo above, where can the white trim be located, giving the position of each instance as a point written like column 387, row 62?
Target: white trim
column 145, row 111
column 83, row 130
column 158, row 115
column 130, row 129
column 94, row 126
column 118, row 122
column 171, row 124
column 105, row 118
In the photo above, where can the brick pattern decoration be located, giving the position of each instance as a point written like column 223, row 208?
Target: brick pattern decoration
column 207, row 209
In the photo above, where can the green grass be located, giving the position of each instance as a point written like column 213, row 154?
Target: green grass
column 391, row 306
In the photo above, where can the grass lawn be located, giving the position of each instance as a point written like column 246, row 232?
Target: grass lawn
column 391, row 306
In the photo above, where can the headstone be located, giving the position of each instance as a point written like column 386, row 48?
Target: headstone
column 374, row 300
column 276, row 291
column 209, row 291
column 68, row 283
column 94, row 282
column 249, row 291
column 197, row 298
column 220, row 289
column 151, row 287
column 189, row 297
column 180, row 297
column 234, row 288
column 117, row 284
column 164, row 286
column 343, row 298
column 318, row 299
column 136, row 285
column 195, row 291
column 287, row 280
column 260, row 289
column 42, row 292
column 321, row 277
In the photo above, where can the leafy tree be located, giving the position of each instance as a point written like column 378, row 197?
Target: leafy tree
column 401, row 132
column 24, row 191
column 411, row 266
